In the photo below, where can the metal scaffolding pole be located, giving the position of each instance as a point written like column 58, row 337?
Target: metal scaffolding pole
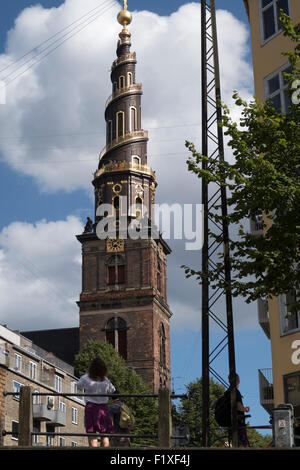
column 213, row 146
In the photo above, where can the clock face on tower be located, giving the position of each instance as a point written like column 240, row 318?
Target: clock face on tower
column 114, row 245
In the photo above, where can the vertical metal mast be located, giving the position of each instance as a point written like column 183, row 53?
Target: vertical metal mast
column 214, row 199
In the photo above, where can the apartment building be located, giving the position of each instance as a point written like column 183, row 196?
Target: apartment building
column 282, row 383
column 24, row 363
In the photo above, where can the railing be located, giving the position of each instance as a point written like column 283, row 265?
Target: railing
column 125, row 166
column 123, row 139
column 133, row 88
column 130, row 57
column 25, row 432
column 266, row 389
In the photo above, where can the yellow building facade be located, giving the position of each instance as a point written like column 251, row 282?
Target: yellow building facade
column 282, row 384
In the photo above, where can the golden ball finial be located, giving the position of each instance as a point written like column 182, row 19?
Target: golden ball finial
column 124, row 18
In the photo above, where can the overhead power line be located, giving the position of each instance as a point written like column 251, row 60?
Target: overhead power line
column 51, row 37
column 61, row 40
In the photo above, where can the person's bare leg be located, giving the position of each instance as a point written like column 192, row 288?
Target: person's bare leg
column 105, row 441
column 93, row 442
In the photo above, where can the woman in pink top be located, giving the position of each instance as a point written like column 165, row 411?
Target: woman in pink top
column 96, row 414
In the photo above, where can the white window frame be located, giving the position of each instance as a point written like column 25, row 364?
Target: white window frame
column 17, row 389
column 58, row 382
column 62, row 406
column 18, row 362
column 273, row 3
column 282, row 85
column 32, row 370
column 74, row 415
column 36, row 398
column 73, row 444
column 284, row 330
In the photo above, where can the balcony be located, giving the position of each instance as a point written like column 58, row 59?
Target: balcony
column 131, row 136
column 43, row 413
column 59, row 418
column 114, row 166
column 130, row 57
column 263, row 316
column 266, row 389
column 134, row 88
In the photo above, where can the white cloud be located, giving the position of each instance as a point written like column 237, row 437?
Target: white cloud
column 65, row 92
column 54, row 113
column 40, row 274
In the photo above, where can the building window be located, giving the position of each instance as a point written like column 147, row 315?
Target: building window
column 18, row 362
column 136, row 159
column 292, row 391
column 109, row 132
column 289, row 322
column 74, row 415
column 74, row 444
column 116, row 270
column 15, row 430
column 133, row 120
column 62, row 407
column 270, row 14
column 121, row 82
column 32, row 370
column 116, row 335
column 138, row 207
column 50, row 428
column 276, row 89
column 16, row 389
column 35, row 398
column 50, row 402
column 120, row 124
column 61, row 441
column 58, row 383
column 162, row 345
column 159, row 286
column 36, row 428
column 129, row 79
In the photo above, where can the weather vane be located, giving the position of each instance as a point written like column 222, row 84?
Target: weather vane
column 124, row 4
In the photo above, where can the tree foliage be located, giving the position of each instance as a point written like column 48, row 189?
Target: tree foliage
column 126, row 381
column 263, row 179
column 189, row 413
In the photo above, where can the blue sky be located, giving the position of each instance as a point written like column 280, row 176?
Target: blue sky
column 28, row 197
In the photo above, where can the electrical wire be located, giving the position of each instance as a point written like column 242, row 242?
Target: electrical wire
column 37, row 60
column 52, row 37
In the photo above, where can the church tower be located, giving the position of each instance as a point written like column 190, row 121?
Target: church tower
column 123, row 299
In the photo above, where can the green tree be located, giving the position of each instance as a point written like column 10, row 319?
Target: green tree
column 262, row 179
column 189, row 413
column 126, row 381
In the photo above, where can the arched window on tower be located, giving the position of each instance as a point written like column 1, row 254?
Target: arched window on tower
column 129, row 79
column 162, row 345
column 120, row 124
column 121, row 82
column 159, row 286
column 138, row 207
column 133, row 119
column 109, row 132
column 116, row 270
column 116, row 205
column 116, row 335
